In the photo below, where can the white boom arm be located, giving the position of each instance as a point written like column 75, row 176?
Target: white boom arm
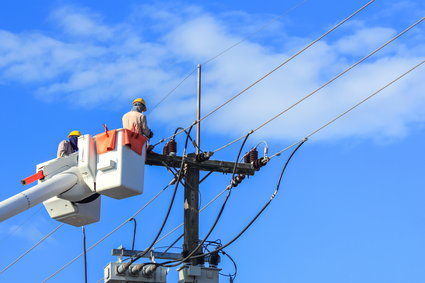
column 37, row 194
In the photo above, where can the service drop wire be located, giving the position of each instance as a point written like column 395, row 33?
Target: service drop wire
column 229, row 188
column 83, row 230
column 276, row 68
column 134, row 232
column 141, row 254
column 261, row 211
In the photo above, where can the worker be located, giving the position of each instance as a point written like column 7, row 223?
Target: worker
column 66, row 147
column 135, row 120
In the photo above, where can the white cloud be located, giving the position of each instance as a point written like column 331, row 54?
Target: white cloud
column 99, row 62
column 364, row 39
column 80, row 23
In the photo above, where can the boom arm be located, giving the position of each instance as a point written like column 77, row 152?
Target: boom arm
column 37, row 194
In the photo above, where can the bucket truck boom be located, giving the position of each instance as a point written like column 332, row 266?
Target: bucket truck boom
column 111, row 163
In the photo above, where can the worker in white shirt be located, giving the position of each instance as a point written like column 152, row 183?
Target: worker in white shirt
column 66, row 147
column 135, row 120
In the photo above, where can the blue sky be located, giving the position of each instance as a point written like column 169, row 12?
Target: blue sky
column 350, row 207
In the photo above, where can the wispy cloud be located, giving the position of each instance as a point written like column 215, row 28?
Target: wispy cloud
column 91, row 62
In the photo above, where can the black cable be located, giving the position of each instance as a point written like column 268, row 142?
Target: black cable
column 206, row 176
column 190, row 255
column 175, row 242
column 134, row 232
column 231, row 276
column 85, row 253
column 141, row 254
column 256, row 216
column 188, row 135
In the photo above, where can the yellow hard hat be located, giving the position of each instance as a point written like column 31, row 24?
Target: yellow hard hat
column 141, row 100
column 74, row 133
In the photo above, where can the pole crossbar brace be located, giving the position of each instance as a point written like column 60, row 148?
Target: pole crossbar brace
column 208, row 165
column 159, row 255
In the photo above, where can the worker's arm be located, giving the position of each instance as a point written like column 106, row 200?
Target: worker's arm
column 145, row 129
column 62, row 148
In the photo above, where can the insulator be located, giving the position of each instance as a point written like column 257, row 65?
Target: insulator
column 135, row 269
column 203, row 156
column 260, row 162
column 237, row 180
column 165, row 150
column 246, row 158
column 148, row 270
column 214, row 259
column 172, row 147
column 123, row 267
column 253, row 155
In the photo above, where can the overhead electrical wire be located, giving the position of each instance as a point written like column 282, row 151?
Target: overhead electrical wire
column 33, row 247
column 351, row 108
column 325, row 84
column 18, row 227
column 171, row 91
column 256, row 31
column 272, row 71
column 228, row 49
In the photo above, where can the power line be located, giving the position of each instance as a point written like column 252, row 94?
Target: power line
column 33, row 247
column 325, row 84
column 350, row 109
column 256, row 31
column 20, row 225
column 276, row 68
column 228, row 49
column 171, row 91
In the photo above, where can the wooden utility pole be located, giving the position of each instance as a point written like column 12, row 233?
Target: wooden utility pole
column 191, row 211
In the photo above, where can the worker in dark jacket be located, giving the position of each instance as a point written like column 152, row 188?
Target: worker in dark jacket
column 135, row 120
column 66, row 147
